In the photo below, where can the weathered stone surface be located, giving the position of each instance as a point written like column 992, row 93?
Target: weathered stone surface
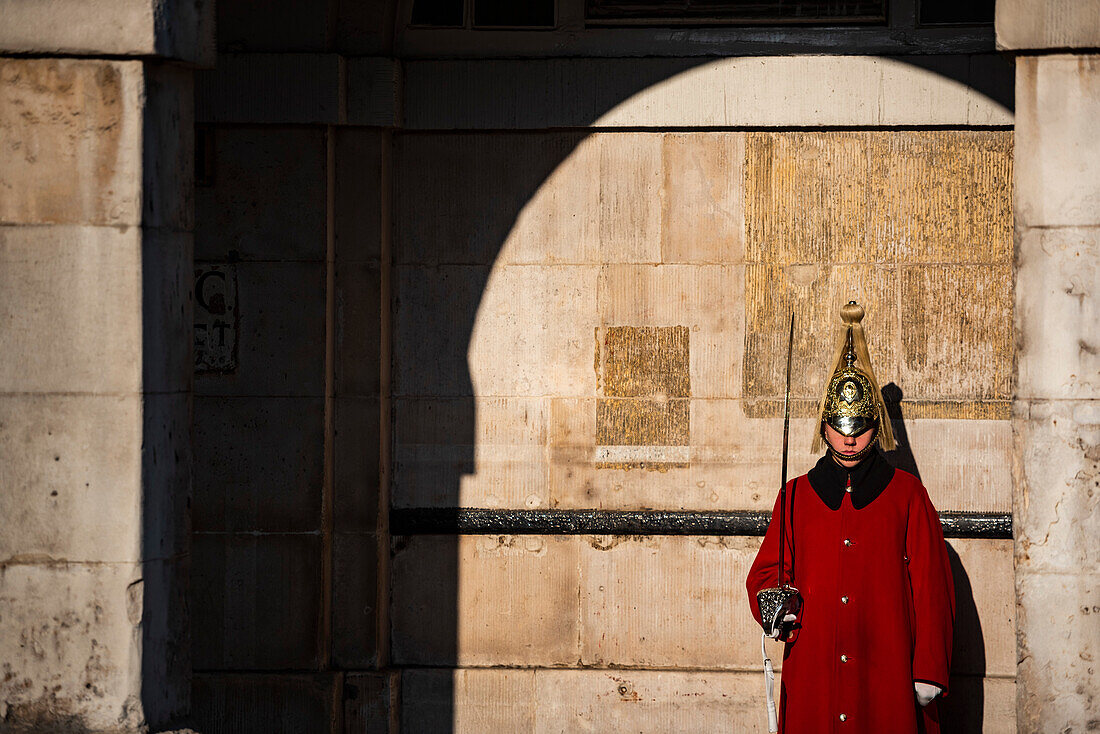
column 72, row 462
column 283, row 25
column 634, row 602
column 181, row 30
column 956, row 335
column 272, row 89
column 363, row 200
column 1057, row 509
column 356, row 600
column 470, row 199
column 371, row 703
column 707, row 299
column 1058, row 142
column 488, row 452
column 259, row 464
column 374, row 90
column 1058, row 352
column 358, row 328
column 468, row 701
column 73, row 140
column 747, row 91
column 524, row 590
column 69, row 642
column 265, row 197
column 256, row 601
column 84, row 296
column 358, row 422
column 280, row 342
column 228, row 703
column 1049, row 24
column 702, row 217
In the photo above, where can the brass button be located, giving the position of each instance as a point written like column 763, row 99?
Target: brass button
column 843, row 658
column 847, row 541
column 844, row 717
column 843, row 600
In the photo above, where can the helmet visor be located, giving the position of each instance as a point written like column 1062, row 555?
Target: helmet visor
column 850, row 425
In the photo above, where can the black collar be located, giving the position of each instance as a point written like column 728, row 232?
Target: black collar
column 869, row 477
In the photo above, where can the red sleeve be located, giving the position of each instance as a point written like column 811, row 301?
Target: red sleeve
column 764, row 573
column 933, row 592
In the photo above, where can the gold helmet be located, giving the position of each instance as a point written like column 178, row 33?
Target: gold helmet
column 852, row 402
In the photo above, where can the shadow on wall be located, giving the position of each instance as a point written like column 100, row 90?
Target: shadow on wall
column 963, row 709
column 444, row 250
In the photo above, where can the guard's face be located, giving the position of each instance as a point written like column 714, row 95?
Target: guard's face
column 848, row 445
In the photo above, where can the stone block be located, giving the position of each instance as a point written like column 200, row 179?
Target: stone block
column 477, row 700
column 702, row 211
column 1057, row 313
column 1058, row 642
column 371, row 703
column 667, row 602
column 472, row 199
column 434, row 314
column 166, row 466
column 1058, row 140
column 280, row 341
column 176, row 30
column 1057, row 507
column 258, row 464
column 966, row 465
column 814, row 293
column 546, row 348
column 1050, row 24
column 374, row 84
column 707, row 299
column 356, row 600
column 243, row 703
column 492, row 600
column 264, row 198
column 168, row 148
column 358, row 328
column 73, row 132
column 356, row 464
column 940, row 196
column 272, row 89
column 486, row 452
column 956, row 333
column 70, row 645
column 363, row 182
column 985, row 608
column 739, row 91
column 256, row 601
column 71, row 462
column 75, row 299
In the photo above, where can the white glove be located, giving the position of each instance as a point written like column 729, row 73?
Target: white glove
column 789, row 618
column 926, row 692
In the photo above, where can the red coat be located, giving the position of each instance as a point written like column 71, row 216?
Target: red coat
column 877, row 589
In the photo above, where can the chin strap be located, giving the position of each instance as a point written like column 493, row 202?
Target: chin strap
column 769, row 686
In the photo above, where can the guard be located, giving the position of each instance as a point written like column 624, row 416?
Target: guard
column 868, row 647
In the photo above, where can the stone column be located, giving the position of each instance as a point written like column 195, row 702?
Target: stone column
column 1057, row 410
column 96, row 214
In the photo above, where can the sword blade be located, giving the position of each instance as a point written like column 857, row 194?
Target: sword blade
column 786, row 435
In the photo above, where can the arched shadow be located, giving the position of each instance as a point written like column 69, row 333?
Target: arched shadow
column 963, row 709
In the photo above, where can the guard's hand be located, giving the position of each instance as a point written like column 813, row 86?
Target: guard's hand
column 926, row 692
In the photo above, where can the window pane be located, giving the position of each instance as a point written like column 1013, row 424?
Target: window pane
column 437, row 12
column 530, row 13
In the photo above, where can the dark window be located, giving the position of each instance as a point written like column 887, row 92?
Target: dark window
column 514, row 13
column 936, row 12
column 735, row 11
column 437, row 12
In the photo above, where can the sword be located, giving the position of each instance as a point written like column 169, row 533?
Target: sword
column 783, row 599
